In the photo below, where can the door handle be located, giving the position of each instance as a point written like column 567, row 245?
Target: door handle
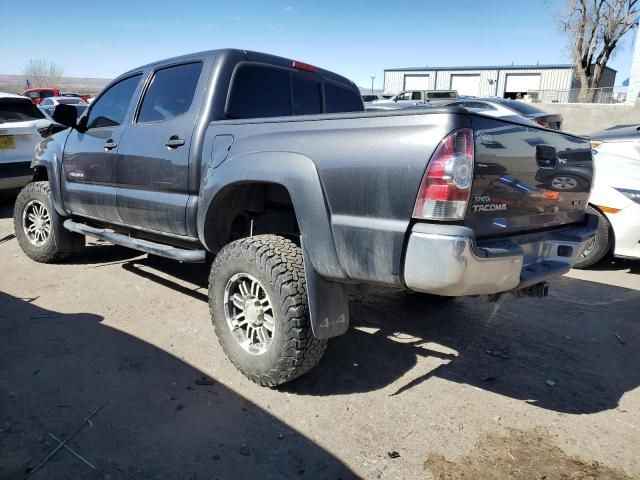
column 174, row 142
column 110, row 145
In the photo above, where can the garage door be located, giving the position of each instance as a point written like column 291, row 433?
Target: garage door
column 520, row 82
column 416, row 82
column 466, row 84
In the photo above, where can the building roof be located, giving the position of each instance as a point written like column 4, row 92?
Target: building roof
column 559, row 66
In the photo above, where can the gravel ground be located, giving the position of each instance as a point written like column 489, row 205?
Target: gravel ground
column 522, row 389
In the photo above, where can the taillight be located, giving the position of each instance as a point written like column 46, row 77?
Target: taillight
column 542, row 123
column 446, row 185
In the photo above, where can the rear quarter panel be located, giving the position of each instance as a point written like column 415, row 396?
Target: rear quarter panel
column 370, row 167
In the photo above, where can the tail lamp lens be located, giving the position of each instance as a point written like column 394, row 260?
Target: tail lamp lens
column 446, row 185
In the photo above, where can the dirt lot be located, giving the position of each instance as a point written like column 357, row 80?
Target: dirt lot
column 523, row 389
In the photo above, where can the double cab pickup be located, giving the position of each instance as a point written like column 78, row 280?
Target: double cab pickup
column 271, row 170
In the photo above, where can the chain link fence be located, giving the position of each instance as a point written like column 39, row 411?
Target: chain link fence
column 593, row 95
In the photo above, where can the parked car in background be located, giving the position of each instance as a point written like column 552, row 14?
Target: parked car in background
column 418, row 97
column 84, row 97
column 622, row 140
column 38, row 94
column 615, row 199
column 504, row 107
column 22, row 127
column 370, row 97
column 49, row 104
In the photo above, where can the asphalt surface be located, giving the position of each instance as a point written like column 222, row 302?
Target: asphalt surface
column 522, row 389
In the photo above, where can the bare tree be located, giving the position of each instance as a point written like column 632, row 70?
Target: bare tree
column 594, row 28
column 42, row 73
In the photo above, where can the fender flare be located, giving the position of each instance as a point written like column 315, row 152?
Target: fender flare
column 295, row 172
column 48, row 155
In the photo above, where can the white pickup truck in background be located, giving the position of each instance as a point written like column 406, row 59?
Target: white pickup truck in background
column 408, row 98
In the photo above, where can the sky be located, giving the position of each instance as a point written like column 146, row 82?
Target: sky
column 356, row 39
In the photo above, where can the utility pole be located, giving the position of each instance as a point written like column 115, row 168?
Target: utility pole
column 372, row 79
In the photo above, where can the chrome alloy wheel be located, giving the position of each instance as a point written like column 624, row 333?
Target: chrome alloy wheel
column 564, row 183
column 249, row 313
column 36, row 222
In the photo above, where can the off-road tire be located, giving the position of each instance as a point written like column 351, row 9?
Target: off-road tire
column 603, row 242
column 276, row 263
column 60, row 243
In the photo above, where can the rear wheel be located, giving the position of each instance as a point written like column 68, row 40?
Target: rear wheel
column 38, row 227
column 599, row 245
column 258, row 303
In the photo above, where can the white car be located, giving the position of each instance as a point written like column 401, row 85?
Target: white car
column 615, row 197
column 21, row 127
column 49, row 104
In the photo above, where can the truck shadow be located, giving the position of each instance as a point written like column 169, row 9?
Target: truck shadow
column 7, row 200
column 162, row 417
column 572, row 352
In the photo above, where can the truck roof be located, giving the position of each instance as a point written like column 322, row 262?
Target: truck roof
column 249, row 55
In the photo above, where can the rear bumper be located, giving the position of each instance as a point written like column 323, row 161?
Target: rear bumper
column 446, row 260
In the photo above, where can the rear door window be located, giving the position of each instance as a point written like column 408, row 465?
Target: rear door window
column 170, row 92
column 339, row 99
column 111, row 108
column 416, row 96
column 259, row 91
column 18, row 110
column 307, row 96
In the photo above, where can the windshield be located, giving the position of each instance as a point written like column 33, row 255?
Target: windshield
column 18, row 110
column 70, row 101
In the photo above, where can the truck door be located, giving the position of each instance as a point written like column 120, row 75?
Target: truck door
column 89, row 160
column 153, row 163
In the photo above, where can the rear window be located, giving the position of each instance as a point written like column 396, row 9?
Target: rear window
column 259, row 92
column 522, row 108
column 170, row 93
column 18, row 111
column 339, row 99
column 307, row 96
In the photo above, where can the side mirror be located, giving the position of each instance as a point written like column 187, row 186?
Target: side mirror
column 66, row 115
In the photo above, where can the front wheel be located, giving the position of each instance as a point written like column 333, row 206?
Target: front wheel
column 38, row 227
column 258, row 304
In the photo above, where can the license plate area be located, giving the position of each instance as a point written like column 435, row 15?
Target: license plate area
column 7, row 142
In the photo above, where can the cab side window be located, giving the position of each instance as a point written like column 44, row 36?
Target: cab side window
column 110, row 109
column 170, row 92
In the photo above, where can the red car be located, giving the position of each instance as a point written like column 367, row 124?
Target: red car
column 38, row 94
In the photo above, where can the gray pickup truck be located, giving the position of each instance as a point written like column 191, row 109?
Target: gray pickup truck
column 271, row 168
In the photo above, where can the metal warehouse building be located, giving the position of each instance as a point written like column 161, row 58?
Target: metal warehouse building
column 492, row 81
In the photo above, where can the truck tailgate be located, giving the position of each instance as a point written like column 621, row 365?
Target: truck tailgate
column 526, row 178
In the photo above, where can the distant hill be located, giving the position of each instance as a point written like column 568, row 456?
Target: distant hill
column 90, row 86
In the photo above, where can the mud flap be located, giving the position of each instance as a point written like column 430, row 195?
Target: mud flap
column 328, row 302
